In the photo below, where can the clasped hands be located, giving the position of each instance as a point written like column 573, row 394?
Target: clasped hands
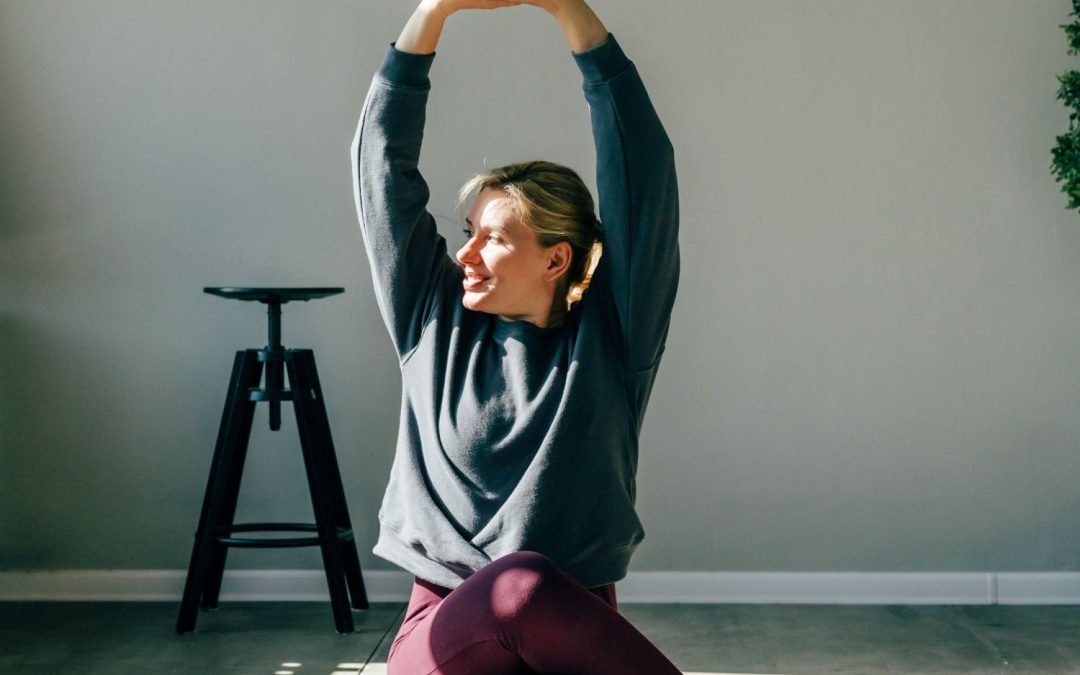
column 580, row 25
column 448, row 7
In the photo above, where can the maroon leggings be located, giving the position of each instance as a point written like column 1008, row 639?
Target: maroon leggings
column 520, row 615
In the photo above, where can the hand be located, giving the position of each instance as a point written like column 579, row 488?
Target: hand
column 421, row 32
column 555, row 7
column 445, row 8
column 548, row 6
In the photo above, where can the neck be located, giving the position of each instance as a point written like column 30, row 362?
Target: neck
column 555, row 315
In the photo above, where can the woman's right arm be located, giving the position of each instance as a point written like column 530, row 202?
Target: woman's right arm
column 407, row 255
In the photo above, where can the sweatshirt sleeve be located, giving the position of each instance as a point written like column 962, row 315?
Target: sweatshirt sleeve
column 639, row 203
column 407, row 255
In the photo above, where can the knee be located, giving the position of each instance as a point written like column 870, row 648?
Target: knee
column 522, row 584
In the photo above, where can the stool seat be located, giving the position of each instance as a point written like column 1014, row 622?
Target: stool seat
column 278, row 295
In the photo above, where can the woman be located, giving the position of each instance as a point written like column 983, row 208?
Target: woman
column 511, row 497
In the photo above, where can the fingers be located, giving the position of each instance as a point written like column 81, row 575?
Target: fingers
column 549, row 6
column 483, row 4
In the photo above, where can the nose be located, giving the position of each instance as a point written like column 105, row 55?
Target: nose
column 469, row 252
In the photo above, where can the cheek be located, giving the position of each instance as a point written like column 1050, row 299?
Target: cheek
column 510, row 268
column 497, row 261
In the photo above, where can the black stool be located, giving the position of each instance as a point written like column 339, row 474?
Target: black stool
column 332, row 527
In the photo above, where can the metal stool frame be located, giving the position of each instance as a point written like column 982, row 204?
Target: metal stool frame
column 332, row 527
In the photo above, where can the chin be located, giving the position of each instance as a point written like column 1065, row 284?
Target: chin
column 473, row 303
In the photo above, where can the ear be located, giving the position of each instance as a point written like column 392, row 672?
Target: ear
column 558, row 260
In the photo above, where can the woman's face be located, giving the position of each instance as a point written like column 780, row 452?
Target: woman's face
column 506, row 270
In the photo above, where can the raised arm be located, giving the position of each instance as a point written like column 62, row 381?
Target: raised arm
column 407, row 255
column 638, row 191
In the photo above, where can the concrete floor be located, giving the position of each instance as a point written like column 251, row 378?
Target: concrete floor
column 263, row 638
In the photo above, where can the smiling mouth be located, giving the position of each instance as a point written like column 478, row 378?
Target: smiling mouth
column 473, row 282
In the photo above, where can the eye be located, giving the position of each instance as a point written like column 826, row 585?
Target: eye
column 467, row 232
column 495, row 239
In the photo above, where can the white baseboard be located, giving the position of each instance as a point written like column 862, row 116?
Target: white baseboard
column 168, row 585
column 825, row 588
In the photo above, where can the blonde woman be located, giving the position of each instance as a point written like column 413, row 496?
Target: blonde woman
column 524, row 379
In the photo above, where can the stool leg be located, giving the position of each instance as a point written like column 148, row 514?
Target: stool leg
column 353, row 575
column 216, row 568
column 316, row 442
column 232, row 440
column 231, row 478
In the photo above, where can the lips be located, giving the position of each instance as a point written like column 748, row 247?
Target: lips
column 474, row 282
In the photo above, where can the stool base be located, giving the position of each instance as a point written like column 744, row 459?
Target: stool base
column 332, row 526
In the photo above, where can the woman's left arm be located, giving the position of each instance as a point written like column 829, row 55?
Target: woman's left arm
column 636, row 182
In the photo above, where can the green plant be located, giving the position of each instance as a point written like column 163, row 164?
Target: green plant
column 1065, row 165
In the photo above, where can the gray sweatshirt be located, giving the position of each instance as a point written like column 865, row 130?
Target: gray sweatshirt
column 514, row 437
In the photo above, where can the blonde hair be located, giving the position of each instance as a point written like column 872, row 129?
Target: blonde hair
column 553, row 202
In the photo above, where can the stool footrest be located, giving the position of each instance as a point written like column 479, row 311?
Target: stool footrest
column 343, row 534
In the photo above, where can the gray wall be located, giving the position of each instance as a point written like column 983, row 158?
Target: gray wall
column 873, row 360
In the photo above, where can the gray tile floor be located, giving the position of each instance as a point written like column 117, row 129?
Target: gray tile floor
column 261, row 637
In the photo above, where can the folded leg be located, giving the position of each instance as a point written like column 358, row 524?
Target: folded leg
column 520, row 615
